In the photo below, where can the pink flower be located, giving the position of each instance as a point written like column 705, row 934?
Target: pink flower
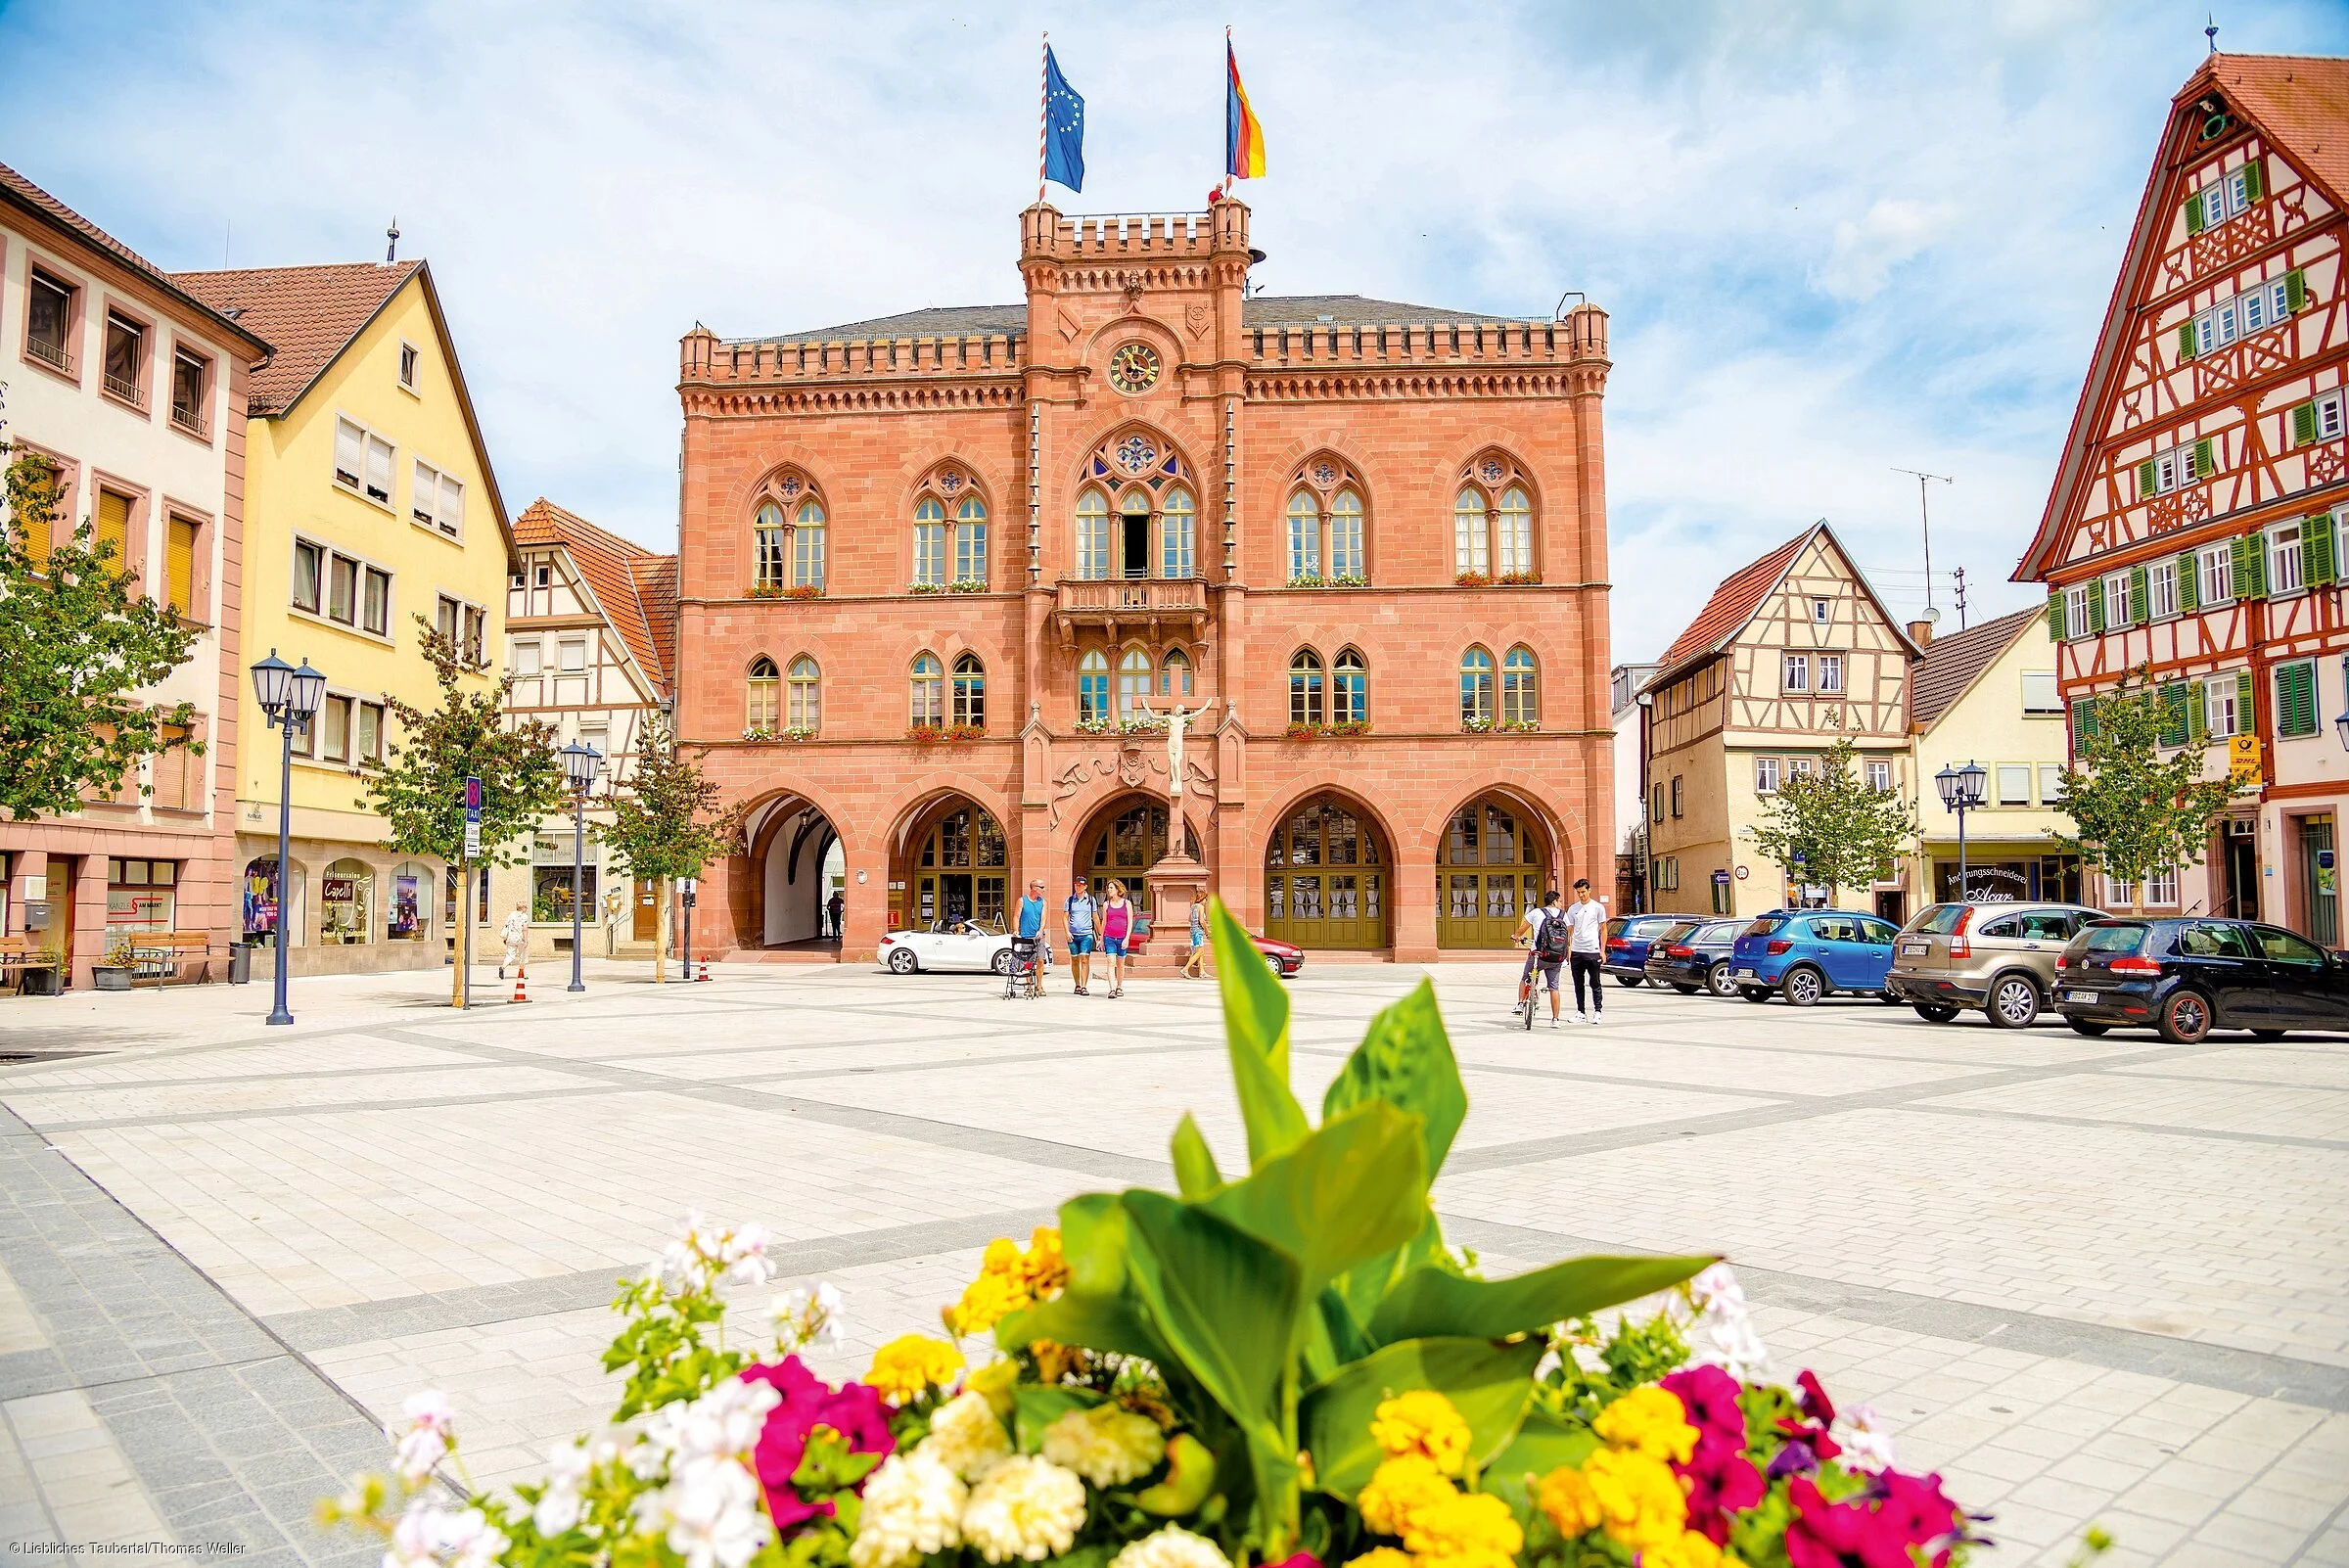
column 1824, row 1534
column 1913, row 1512
column 1815, row 1401
column 1719, row 1480
column 853, row 1410
column 1709, row 1397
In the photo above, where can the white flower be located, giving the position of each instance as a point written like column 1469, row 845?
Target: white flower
column 1866, row 1445
column 1025, row 1508
column 965, row 1437
column 912, row 1507
column 418, row 1452
column 743, row 1251
column 801, row 1319
column 713, row 1514
column 724, row 1423
column 1170, row 1548
column 428, row 1535
column 429, row 1407
column 1106, row 1445
column 1724, row 1333
column 559, row 1506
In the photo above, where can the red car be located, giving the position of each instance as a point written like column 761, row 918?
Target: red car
column 1284, row 959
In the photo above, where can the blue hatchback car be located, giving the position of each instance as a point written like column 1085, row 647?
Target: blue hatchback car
column 1804, row 954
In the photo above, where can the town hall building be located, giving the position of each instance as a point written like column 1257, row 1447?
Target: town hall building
column 945, row 576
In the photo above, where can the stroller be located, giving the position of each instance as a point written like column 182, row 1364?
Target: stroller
column 1025, row 977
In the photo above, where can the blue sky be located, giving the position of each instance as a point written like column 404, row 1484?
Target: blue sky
column 1834, row 239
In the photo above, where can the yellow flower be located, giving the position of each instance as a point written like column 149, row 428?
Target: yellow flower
column 1648, row 1420
column 1422, row 1421
column 1566, row 1495
column 1466, row 1529
column 1043, row 1269
column 1635, row 1497
column 1399, row 1489
column 1008, row 1280
column 996, row 1382
column 910, row 1363
column 1381, row 1557
column 1691, row 1550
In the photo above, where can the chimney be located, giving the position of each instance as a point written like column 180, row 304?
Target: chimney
column 1920, row 632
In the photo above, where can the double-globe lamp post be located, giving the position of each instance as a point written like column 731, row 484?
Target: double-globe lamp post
column 1962, row 789
column 579, row 771
column 291, row 697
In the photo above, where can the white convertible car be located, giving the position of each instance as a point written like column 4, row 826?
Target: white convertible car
column 967, row 947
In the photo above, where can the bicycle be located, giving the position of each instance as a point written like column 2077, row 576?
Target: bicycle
column 1528, row 988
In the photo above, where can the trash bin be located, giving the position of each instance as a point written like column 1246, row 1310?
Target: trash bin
column 240, row 963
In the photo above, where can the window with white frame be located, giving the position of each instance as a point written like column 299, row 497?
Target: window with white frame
column 526, row 655
column 439, row 500
column 1766, row 775
column 2014, row 784
column 2220, row 695
column 1821, row 609
column 2283, row 558
column 2051, row 783
column 2161, row 888
column 2241, row 315
column 2116, row 600
column 2040, row 694
column 342, row 589
column 2230, row 195
column 2168, row 469
column 1798, row 673
column 1800, row 767
column 1879, row 774
column 2161, row 589
column 2078, row 606
column 409, row 356
column 2319, row 419
column 2218, row 574
column 2119, row 895
column 363, row 462
column 1830, row 672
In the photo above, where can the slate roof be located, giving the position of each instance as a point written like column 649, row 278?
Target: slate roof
column 1262, row 310
column 310, row 314
column 20, row 193
column 637, row 588
column 1733, row 605
column 1952, row 664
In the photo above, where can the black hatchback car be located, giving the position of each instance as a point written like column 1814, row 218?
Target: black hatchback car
column 2188, row 976
column 1694, row 955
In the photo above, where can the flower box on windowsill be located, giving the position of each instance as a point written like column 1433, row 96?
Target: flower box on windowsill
column 1519, row 580
column 1314, row 580
column 967, row 585
column 929, row 734
column 1472, row 579
column 775, row 590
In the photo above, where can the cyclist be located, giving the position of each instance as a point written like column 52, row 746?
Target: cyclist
column 1529, row 936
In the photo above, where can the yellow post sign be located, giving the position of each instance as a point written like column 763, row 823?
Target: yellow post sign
column 2243, row 760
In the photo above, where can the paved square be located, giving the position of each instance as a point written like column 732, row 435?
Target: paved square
column 2088, row 1281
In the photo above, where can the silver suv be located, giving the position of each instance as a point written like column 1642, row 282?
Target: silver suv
column 1998, row 958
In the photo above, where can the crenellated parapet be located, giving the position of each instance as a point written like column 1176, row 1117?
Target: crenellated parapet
column 1483, row 358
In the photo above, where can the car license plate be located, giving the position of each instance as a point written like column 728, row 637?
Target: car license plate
column 1916, row 950
column 2080, row 996
column 1747, row 973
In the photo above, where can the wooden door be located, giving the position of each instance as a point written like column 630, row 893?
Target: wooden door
column 648, row 911
column 65, row 879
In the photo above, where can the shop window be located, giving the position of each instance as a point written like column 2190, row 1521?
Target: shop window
column 346, row 893
column 407, row 908
column 141, row 894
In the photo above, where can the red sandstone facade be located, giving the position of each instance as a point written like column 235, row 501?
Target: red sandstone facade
column 1148, row 451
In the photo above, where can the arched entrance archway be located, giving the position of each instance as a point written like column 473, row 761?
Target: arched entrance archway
column 1124, row 839
column 1488, row 871
column 798, row 879
column 1327, row 878
column 951, row 865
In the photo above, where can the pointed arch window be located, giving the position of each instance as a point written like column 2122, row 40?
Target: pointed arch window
column 1092, row 688
column 1350, row 689
column 929, row 543
column 807, row 548
column 1305, row 535
column 928, row 688
column 1133, row 683
column 970, row 540
column 1178, row 535
column 770, row 556
column 1521, row 688
column 765, row 693
column 1476, row 687
column 1174, row 675
column 1346, row 557
column 1513, row 532
column 1471, row 548
column 806, row 694
column 970, row 691
column 1093, row 535
column 1307, row 696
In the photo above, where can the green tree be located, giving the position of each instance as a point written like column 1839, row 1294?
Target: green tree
column 76, row 648
column 1844, row 832
column 2133, row 812
column 419, row 789
column 668, row 824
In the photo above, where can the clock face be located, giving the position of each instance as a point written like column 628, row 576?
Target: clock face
column 1133, row 368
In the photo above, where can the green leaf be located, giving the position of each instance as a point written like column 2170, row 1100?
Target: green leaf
column 1036, row 1406
column 1195, row 1172
column 1352, row 1189
column 1096, row 1309
column 1362, row 1287
column 1436, row 1301
column 1542, row 1444
column 1407, row 1060
column 1256, row 1029
column 1489, row 1384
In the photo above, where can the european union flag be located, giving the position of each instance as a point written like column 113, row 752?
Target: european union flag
column 1064, row 127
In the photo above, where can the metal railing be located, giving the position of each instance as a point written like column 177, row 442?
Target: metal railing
column 127, row 391
column 191, row 420
column 50, row 352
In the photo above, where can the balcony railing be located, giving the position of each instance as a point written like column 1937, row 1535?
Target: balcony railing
column 1113, row 602
column 50, row 352
column 127, row 391
column 192, row 421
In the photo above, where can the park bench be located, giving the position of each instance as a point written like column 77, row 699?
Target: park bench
column 20, row 955
column 166, row 954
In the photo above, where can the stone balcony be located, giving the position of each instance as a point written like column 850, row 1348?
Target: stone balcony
column 1113, row 604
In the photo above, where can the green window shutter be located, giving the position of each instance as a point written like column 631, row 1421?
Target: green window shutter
column 2317, row 563
column 2190, row 582
column 2084, row 721
column 2141, row 605
column 2252, row 566
column 2204, row 466
column 2255, row 179
column 2304, row 423
column 2144, row 479
column 2185, row 342
column 2304, row 697
column 2198, row 718
column 2295, row 290
column 2244, row 692
column 2297, row 699
column 2193, row 214
column 2055, row 614
column 2173, row 714
column 2095, row 606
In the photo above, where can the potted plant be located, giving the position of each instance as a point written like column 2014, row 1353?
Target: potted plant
column 113, row 974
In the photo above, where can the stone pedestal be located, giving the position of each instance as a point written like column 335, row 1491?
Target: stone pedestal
column 1175, row 884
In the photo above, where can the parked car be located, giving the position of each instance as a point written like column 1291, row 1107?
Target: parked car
column 1694, row 955
column 2187, row 977
column 1999, row 958
column 1804, row 954
column 1284, row 959
column 960, row 944
column 1628, row 939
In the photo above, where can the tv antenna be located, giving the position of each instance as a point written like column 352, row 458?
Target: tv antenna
column 392, row 243
column 1925, row 516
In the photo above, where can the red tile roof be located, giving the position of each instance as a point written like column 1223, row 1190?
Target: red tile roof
column 1733, row 605
column 2299, row 102
column 18, row 192
column 310, row 314
column 1952, row 664
column 637, row 588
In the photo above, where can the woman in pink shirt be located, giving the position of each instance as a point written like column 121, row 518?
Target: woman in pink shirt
column 1117, row 925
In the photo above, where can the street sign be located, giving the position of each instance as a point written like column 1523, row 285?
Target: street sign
column 473, row 819
column 1720, row 879
column 2242, row 760
column 689, row 885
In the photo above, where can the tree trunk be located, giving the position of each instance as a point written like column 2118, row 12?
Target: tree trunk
column 661, row 931
column 456, row 971
column 2137, row 896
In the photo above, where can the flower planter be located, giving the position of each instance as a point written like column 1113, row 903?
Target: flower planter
column 110, row 977
column 44, row 983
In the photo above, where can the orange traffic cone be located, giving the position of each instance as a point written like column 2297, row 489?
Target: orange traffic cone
column 521, row 991
column 705, row 974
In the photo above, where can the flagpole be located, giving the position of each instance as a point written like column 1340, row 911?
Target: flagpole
column 1044, row 118
column 1223, row 185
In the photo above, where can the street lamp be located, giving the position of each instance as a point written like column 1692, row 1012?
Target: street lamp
column 289, row 698
column 579, row 771
column 1962, row 790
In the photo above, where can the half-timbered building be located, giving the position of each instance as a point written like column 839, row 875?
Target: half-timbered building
column 2192, row 531
column 1791, row 654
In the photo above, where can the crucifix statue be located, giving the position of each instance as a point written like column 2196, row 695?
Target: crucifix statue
column 1175, row 723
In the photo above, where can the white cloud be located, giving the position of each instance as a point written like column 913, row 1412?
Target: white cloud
column 1895, row 230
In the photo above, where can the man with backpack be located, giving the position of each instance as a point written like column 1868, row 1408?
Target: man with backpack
column 1528, row 935
column 1586, row 923
column 1553, row 939
column 1082, row 912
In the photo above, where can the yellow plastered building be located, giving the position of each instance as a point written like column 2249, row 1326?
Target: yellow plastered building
column 370, row 502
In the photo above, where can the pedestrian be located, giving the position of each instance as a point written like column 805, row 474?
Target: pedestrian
column 1195, row 960
column 1081, row 913
column 1529, row 936
column 1117, row 925
column 1586, row 919
column 834, row 907
column 516, row 935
